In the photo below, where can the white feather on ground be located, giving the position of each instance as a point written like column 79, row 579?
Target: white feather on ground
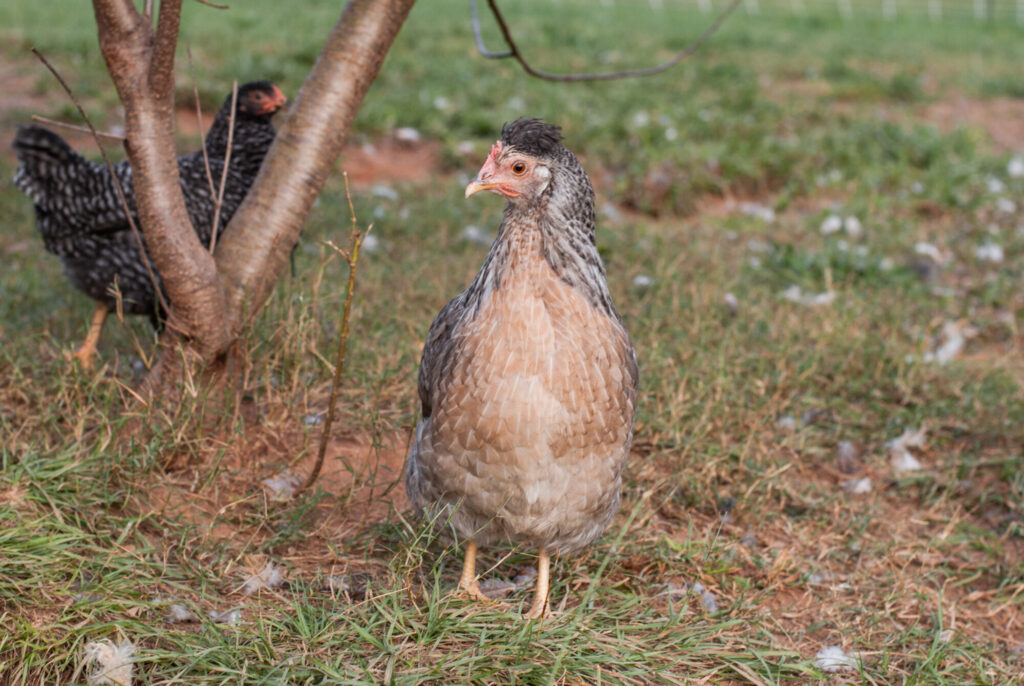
column 1015, row 167
column 954, row 337
column 833, row 659
column 707, row 598
column 833, row 224
column 853, row 227
column 930, row 251
column 900, row 457
column 795, row 294
column 178, row 613
column 283, row 485
column 232, row 616
column 990, row 252
column 757, row 210
column 1006, row 206
column 786, row 423
column 857, row 486
column 271, row 576
column 109, row 664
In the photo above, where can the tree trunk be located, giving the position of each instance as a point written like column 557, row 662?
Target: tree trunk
column 253, row 252
column 212, row 299
column 141, row 64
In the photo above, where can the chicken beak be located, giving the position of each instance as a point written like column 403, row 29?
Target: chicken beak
column 476, row 185
column 481, row 182
column 279, row 100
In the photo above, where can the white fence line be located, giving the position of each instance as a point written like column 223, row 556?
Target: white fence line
column 934, row 10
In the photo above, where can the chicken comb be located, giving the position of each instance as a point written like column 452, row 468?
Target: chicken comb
column 496, row 150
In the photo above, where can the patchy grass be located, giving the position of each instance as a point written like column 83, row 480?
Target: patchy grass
column 714, row 182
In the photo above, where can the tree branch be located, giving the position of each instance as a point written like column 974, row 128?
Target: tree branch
column 119, row 15
column 515, row 52
column 474, row 18
column 114, row 137
column 141, row 65
column 161, row 65
column 253, row 251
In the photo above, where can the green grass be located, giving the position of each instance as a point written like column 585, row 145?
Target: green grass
column 104, row 524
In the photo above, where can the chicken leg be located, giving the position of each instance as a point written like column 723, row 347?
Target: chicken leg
column 540, row 595
column 86, row 353
column 468, row 583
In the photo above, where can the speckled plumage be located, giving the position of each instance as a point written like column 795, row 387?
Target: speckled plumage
column 528, row 380
column 82, row 220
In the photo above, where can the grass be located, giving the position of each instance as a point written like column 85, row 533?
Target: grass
column 735, row 481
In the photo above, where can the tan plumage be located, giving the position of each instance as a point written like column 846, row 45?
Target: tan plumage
column 528, row 378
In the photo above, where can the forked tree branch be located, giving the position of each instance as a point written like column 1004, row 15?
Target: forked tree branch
column 253, row 251
column 141, row 64
column 517, row 54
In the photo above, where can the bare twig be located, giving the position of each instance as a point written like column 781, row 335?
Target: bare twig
column 213, row 5
column 355, row 240
column 515, row 52
column 224, row 171
column 474, row 18
column 117, row 182
column 74, row 127
column 199, row 120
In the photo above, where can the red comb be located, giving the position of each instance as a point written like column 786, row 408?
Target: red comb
column 496, row 150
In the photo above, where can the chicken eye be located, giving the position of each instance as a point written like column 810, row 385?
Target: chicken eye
column 518, row 168
column 257, row 96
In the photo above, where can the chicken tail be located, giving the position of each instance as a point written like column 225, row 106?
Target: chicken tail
column 47, row 162
column 41, row 151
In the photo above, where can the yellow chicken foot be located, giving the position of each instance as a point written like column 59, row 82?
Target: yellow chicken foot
column 468, row 583
column 540, row 595
column 86, row 353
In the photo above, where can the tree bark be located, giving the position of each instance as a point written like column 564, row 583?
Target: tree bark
column 213, row 297
column 141, row 65
column 253, row 252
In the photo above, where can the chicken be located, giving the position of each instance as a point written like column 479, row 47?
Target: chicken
column 82, row 220
column 528, row 381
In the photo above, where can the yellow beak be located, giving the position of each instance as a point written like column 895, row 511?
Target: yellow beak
column 475, row 186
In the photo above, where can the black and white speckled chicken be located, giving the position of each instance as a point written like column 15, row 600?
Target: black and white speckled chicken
column 82, row 221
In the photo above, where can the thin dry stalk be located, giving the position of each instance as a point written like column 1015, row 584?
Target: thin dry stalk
column 117, row 182
column 224, row 171
column 74, row 127
column 352, row 257
column 199, row 120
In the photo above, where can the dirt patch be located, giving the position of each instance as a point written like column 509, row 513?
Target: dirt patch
column 391, row 160
column 19, row 96
column 385, row 160
column 1001, row 118
column 231, row 505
